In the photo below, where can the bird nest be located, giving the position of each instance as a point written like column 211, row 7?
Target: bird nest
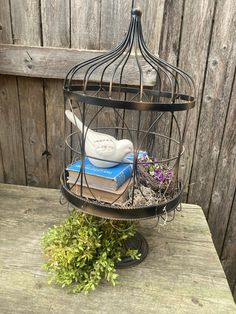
column 155, row 184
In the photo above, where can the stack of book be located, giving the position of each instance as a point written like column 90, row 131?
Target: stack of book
column 108, row 185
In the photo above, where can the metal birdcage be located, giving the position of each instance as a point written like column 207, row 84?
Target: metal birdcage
column 128, row 93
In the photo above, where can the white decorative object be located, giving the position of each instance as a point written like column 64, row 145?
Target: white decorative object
column 106, row 148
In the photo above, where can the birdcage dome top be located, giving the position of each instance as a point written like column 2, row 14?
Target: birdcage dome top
column 132, row 69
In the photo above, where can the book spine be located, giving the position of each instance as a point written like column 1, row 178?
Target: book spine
column 123, row 175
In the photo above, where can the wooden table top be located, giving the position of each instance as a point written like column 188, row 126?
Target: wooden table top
column 181, row 274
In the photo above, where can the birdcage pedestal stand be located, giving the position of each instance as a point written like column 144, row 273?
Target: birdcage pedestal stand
column 105, row 84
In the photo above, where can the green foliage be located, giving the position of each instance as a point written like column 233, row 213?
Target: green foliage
column 80, row 254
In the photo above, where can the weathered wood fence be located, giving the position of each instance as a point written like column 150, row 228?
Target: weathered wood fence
column 198, row 36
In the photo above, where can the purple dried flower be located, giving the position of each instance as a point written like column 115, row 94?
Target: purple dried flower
column 162, row 173
column 162, row 177
column 157, row 171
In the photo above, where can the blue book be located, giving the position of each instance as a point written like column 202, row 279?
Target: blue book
column 104, row 178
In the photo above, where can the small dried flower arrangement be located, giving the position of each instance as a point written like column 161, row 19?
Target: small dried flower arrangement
column 157, row 176
column 155, row 183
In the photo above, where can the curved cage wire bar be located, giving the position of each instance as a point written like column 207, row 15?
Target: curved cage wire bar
column 128, row 93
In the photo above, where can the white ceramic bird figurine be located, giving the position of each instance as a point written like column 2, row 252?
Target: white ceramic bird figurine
column 102, row 146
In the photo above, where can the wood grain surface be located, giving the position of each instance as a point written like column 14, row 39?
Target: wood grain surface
column 224, row 183
column 217, row 92
column 25, row 20
column 2, row 176
column 56, row 33
column 12, row 161
column 169, row 51
column 114, row 13
column 53, row 62
column 223, row 225
column 26, row 31
column 5, row 23
column 31, row 95
column 182, row 273
column 85, row 24
column 193, row 53
column 228, row 255
column 55, row 16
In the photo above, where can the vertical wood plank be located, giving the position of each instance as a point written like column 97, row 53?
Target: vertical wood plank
column 85, row 34
column 26, row 22
column 26, row 30
column 5, row 23
column 192, row 59
column 55, row 16
column 5, row 37
column 2, row 177
column 152, row 22
column 12, row 168
column 85, row 24
column 228, row 257
column 171, row 30
column 55, row 118
column 56, row 32
column 115, row 19
column 10, row 132
column 169, row 51
column 219, row 78
column 33, row 124
column 225, row 183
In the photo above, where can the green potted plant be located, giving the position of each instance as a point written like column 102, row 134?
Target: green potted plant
column 81, row 252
